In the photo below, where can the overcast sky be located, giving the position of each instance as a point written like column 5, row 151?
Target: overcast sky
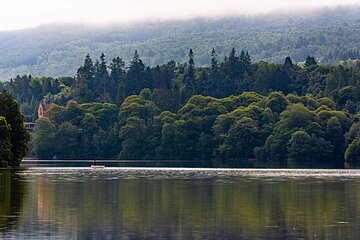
column 16, row 14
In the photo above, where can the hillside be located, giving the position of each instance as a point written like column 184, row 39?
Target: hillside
column 55, row 50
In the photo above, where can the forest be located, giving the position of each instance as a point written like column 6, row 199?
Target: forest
column 233, row 110
column 330, row 34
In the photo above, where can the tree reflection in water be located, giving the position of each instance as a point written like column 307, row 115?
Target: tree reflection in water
column 12, row 200
column 88, row 204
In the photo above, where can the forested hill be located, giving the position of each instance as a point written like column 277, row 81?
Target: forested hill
column 281, row 114
column 56, row 50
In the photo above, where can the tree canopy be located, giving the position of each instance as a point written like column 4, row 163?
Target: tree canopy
column 233, row 110
column 14, row 136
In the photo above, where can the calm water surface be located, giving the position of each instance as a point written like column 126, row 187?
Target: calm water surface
column 133, row 203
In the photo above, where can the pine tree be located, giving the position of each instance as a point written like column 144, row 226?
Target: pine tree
column 288, row 63
column 215, row 77
column 242, row 60
column 102, row 80
column 84, row 81
column 157, row 78
column 189, row 87
column 136, row 76
column 214, row 61
column 232, row 65
column 310, row 61
column 80, row 85
column 117, row 76
column 88, row 68
column 191, row 66
column 169, row 71
column 247, row 64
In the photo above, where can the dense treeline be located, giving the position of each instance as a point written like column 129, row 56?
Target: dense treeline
column 13, row 134
column 232, row 110
column 77, row 131
column 174, row 83
column 57, row 50
column 275, row 129
column 29, row 91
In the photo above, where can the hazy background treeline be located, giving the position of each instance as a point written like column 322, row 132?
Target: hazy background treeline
column 233, row 109
column 330, row 34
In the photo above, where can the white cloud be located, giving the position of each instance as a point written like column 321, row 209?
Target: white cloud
column 16, row 14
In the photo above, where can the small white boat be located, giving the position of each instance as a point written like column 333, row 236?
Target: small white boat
column 97, row 166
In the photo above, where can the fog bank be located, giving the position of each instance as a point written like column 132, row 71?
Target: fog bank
column 16, row 14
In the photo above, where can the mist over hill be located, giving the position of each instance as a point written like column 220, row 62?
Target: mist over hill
column 329, row 34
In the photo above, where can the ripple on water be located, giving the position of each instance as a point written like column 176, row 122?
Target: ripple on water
column 86, row 174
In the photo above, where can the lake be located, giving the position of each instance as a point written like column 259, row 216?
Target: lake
column 179, row 203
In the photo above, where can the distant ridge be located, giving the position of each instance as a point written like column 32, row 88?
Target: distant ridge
column 329, row 34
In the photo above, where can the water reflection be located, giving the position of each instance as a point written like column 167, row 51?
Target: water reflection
column 182, row 164
column 133, row 204
column 12, row 199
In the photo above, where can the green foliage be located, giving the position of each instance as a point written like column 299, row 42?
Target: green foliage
column 352, row 153
column 139, row 107
column 277, row 102
column 135, row 122
column 335, row 134
column 134, row 136
column 239, row 132
column 301, row 138
column 67, row 141
column 280, row 130
column 243, row 137
column 43, row 139
column 80, row 131
column 300, row 147
column 281, row 114
column 297, row 117
column 173, row 84
column 19, row 135
column 29, row 91
column 304, row 149
column 5, row 143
